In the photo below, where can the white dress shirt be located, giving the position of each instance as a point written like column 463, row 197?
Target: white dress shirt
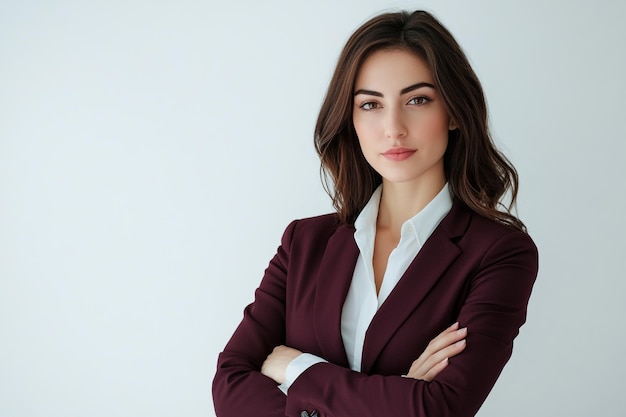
column 362, row 302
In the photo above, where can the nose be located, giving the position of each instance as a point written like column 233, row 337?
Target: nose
column 395, row 126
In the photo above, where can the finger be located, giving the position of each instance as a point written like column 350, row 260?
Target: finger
column 435, row 370
column 450, row 333
column 447, row 352
column 428, row 374
column 428, row 362
column 446, row 339
column 453, row 326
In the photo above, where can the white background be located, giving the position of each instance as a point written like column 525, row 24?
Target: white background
column 152, row 152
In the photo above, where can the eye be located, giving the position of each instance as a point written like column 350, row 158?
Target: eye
column 419, row 100
column 369, row 105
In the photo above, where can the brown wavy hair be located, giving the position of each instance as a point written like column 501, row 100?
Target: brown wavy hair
column 479, row 175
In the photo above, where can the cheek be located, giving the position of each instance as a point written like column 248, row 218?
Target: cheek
column 363, row 126
column 435, row 130
column 366, row 134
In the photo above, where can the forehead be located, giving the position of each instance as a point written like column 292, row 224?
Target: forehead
column 392, row 69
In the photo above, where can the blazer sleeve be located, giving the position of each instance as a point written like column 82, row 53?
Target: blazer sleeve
column 494, row 310
column 239, row 388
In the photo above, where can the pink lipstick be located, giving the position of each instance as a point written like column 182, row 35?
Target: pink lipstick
column 399, row 154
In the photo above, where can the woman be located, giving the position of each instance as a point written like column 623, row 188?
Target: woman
column 407, row 300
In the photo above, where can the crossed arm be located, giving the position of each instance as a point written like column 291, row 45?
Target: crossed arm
column 430, row 363
column 254, row 360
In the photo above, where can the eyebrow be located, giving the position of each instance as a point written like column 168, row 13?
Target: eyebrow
column 403, row 91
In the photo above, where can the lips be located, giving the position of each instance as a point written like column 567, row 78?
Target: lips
column 399, row 154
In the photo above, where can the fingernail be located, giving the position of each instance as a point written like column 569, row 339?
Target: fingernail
column 460, row 342
column 456, row 324
column 462, row 331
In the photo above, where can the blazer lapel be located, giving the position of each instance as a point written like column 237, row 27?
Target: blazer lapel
column 429, row 265
column 335, row 275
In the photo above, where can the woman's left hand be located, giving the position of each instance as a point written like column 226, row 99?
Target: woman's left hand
column 275, row 365
column 434, row 359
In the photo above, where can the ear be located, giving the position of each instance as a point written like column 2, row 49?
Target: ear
column 452, row 125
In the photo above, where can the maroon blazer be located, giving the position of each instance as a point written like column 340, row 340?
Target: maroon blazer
column 471, row 269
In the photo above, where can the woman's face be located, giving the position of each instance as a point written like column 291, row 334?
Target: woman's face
column 400, row 118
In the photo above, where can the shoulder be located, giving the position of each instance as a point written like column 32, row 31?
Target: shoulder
column 462, row 224
column 313, row 228
column 312, row 234
column 494, row 228
column 489, row 239
column 478, row 236
column 493, row 231
column 323, row 224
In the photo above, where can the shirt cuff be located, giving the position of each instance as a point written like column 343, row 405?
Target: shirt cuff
column 300, row 364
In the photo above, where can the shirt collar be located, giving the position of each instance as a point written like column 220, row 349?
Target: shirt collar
column 423, row 224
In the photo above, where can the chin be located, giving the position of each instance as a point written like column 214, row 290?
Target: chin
column 400, row 179
column 417, row 178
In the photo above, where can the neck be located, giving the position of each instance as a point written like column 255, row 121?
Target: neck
column 401, row 201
